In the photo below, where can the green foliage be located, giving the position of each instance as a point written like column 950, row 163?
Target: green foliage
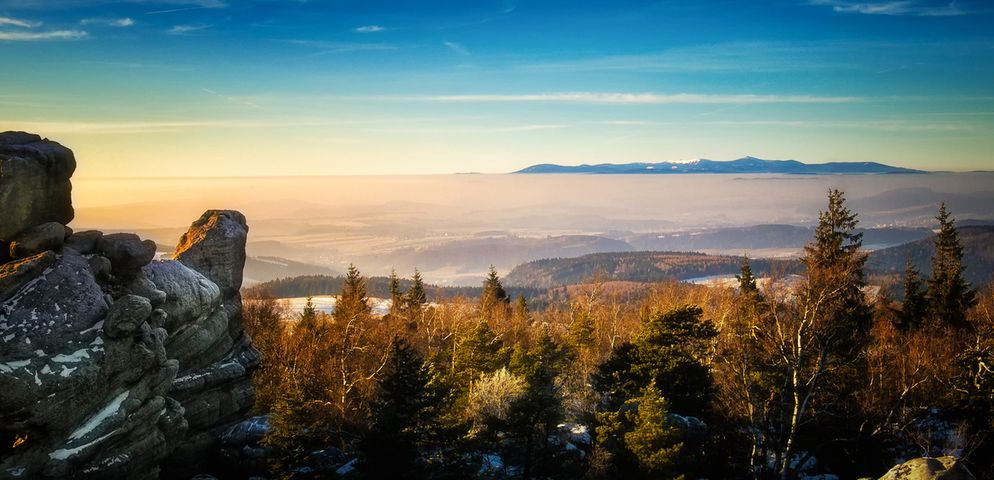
column 534, row 415
column 481, row 351
column 637, row 441
column 949, row 295
column 836, row 276
column 915, row 304
column 416, row 297
column 581, row 332
column 669, row 351
column 494, row 297
column 652, row 440
column 353, row 302
column 404, row 418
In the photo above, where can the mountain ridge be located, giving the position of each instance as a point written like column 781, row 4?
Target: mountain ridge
column 741, row 165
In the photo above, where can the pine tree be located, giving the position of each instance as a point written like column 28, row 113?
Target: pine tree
column 747, row 282
column 653, row 441
column 396, row 295
column 535, row 414
column 308, row 315
column 669, row 350
column 481, row 351
column 403, row 417
column 416, row 297
column 949, row 294
column 493, row 296
column 915, row 303
column 836, row 275
column 353, row 302
column 580, row 334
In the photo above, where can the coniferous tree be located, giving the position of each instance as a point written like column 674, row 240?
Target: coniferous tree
column 949, row 294
column 353, row 302
column 834, row 262
column 396, row 295
column 669, row 351
column 747, row 283
column 653, row 441
column 481, row 351
column 536, row 413
column 404, row 417
column 494, row 296
column 416, row 297
column 915, row 304
column 580, row 334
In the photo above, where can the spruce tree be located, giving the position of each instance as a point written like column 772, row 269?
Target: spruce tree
column 353, row 302
column 949, row 294
column 403, row 417
column 915, row 304
column 416, row 297
column 835, row 262
column 747, row 282
column 396, row 296
column 494, row 296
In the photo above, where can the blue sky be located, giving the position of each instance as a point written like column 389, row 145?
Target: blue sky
column 224, row 87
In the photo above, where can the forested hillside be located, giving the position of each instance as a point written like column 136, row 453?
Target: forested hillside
column 978, row 255
column 635, row 267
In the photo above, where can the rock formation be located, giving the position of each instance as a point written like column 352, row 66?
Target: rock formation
column 946, row 468
column 112, row 365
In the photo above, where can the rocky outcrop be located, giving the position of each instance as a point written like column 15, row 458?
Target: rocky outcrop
column 34, row 183
column 927, row 468
column 112, row 365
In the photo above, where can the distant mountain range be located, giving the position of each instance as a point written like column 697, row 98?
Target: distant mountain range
column 742, row 165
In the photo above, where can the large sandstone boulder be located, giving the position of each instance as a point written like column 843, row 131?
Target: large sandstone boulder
column 215, row 247
column 34, row 183
column 944, row 468
column 112, row 365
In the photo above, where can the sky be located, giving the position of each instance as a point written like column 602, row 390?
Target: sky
column 190, row 88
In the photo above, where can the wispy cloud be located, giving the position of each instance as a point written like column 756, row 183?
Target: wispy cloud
column 189, row 29
column 182, row 9
column 628, row 98
column 326, row 47
column 136, row 127
column 235, row 100
column 878, row 125
column 897, row 8
column 16, row 22
column 369, row 29
column 108, row 22
column 33, row 36
column 457, row 48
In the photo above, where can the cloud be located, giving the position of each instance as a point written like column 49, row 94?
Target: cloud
column 457, row 48
column 136, row 127
column 880, row 125
column 189, row 29
column 897, row 8
column 63, row 4
column 369, row 29
column 7, row 36
column 109, row 22
column 14, row 22
column 231, row 99
column 630, row 98
column 341, row 47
